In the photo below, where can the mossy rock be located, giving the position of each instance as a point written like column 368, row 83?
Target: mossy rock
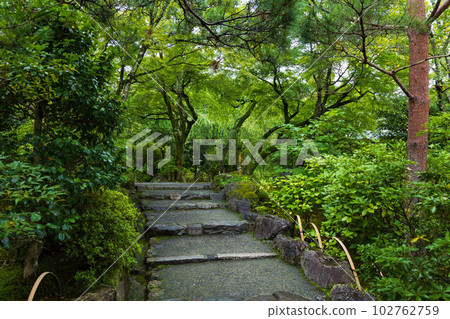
column 244, row 190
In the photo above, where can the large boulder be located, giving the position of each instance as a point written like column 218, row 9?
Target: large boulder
column 324, row 270
column 241, row 206
column 240, row 196
column 290, row 249
column 250, row 216
column 241, row 190
column 269, row 226
column 347, row 293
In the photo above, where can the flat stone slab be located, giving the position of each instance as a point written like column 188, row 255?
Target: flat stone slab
column 163, row 205
column 171, row 229
column 233, row 279
column 209, row 245
column 175, row 260
column 144, row 186
column 176, row 194
column 199, row 216
column 227, row 227
column 222, row 227
column 234, row 256
column 155, row 261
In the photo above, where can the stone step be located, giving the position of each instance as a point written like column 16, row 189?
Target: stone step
column 176, row 260
column 241, row 279
column 177, row 229
column 163, row 205
column 174, row 194
column 192, row 216
column 207, row 245
column 190, row 186
column 156, row 261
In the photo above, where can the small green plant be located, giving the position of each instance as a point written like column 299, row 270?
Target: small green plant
column 32, row 204
column 106, row 230
column 401, row 272
column 221, row 180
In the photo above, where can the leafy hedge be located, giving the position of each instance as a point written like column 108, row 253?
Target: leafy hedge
column 366, row 200
column 105, row 230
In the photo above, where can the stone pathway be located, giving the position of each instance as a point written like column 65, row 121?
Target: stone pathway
column 199, row 250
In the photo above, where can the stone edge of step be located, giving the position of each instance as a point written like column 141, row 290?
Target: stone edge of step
column 170, row 205
column 196, row 229
column 172, row 186
column 191, row 195
column 174, row 260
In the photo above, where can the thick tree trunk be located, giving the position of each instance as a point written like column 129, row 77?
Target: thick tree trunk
column 417, row 144
column 31, row 258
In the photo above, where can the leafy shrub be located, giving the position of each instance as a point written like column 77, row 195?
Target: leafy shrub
column 397, row 273
column 33, row 204
column 358, row 197
column 221, row 180
column 439, row 128
column 105, row 230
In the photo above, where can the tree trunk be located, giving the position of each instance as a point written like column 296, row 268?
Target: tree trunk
column 179, row 159
column 31, row 258
column 417, row 144
column 131, row 76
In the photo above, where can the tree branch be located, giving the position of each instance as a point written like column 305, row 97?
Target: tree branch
column 438, row 11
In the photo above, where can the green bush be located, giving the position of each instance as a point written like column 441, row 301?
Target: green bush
column 221, row 180
column 401, row 272
column 105, row 230
column 439, row 128
column 358, row 197
column 32, row 204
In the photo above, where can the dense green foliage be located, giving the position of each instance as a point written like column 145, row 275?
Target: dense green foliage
column 58, row 118
column 33, row 204
column 105, row 231
column 78, row 79
column 365, row 200
column 12, row 287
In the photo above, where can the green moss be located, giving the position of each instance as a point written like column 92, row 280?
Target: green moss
column 246, row 190
column 162, row 266
column 12, row 284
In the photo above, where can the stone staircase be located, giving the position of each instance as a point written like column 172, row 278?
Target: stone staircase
column 200, row 250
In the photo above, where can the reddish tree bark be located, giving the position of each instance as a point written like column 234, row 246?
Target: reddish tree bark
column 419, row 104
